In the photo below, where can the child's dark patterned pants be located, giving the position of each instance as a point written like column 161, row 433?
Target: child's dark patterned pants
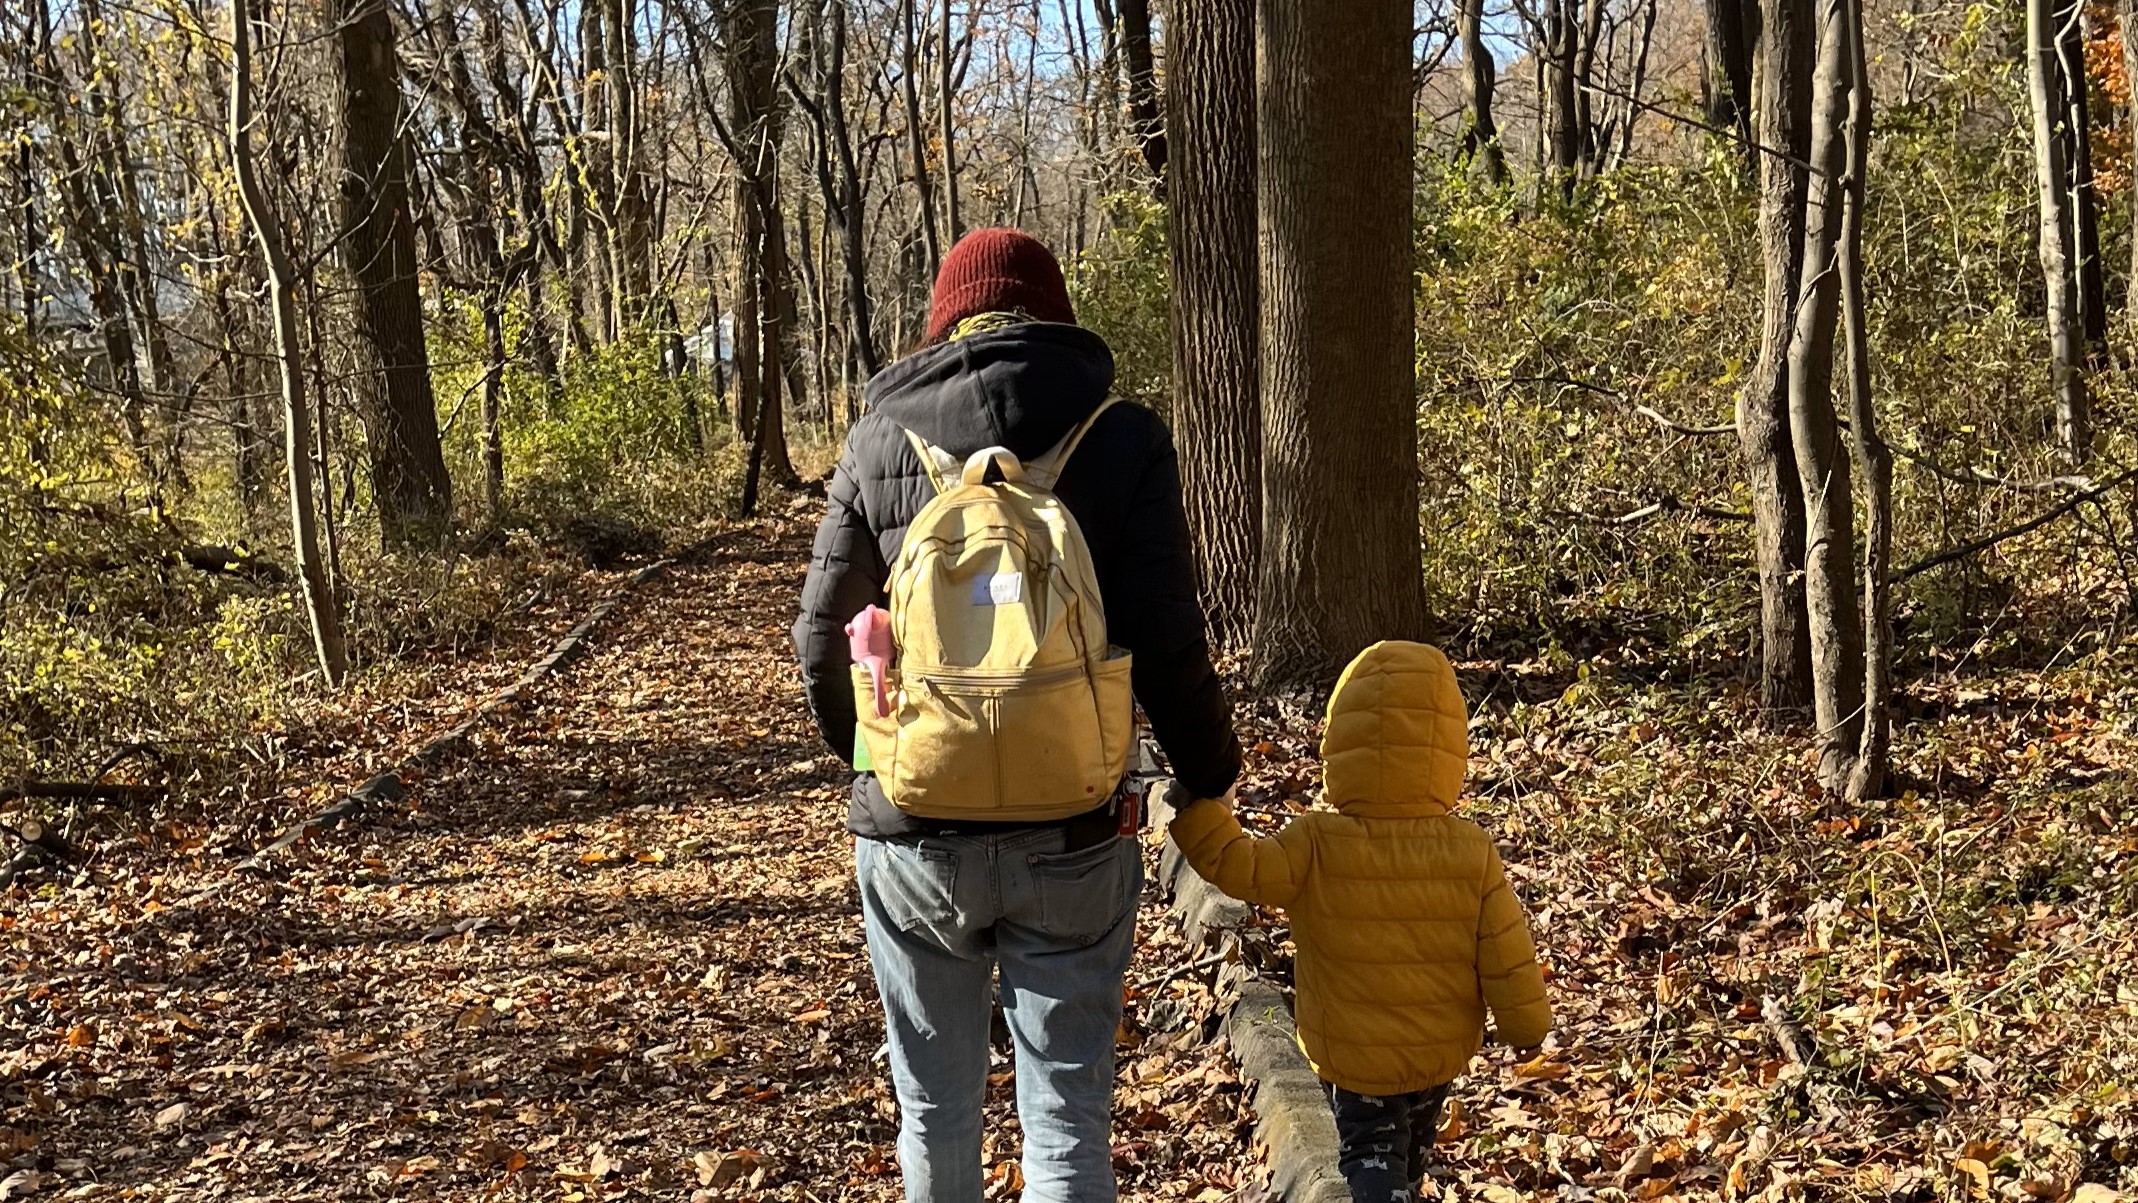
column 1383, row 1141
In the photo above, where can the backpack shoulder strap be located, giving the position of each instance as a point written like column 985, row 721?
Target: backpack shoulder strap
column 1046, row 471
column 941, row 466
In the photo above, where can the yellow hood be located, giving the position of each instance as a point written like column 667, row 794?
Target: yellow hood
column 1397, row 741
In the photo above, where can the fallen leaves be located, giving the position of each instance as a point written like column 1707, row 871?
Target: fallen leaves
column 459, row 1003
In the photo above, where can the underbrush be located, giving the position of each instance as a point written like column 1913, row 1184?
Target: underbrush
column 141, row 603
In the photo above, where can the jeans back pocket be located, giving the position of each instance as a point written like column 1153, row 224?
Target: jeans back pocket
column 1084, row 894
column 915, row 885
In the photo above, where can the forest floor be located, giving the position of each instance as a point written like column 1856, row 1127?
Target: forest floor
column 612, row 950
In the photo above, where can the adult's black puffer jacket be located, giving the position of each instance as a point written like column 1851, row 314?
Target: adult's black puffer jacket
column 1023, row 387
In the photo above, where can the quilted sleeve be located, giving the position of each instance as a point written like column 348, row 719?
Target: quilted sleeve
column 1152, row 610
column 846, row 575
column 1507, row 963
column 1269, row 870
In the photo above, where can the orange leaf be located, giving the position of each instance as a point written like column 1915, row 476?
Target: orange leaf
column 1543, row 1068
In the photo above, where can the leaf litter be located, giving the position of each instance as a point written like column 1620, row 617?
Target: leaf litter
column 612, row 951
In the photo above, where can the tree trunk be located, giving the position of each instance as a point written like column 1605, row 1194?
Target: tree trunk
column 1340, row 556
column 633, row 198
column 768, row 294
column 1143, row 116
column 2127, row 18
column 839, row 179
column 1585, row 141
column 916, row 137
column 1874, row 461
column 1480, row 135
column 408, row 476
column 953, row 216
column 320, row 602
column 2078, row 135
column 1785, row 62
column 1732, row 29
column 1822, row 466
column 1563, row 52
column 1217, row 415
column 1635, row 86
column 2058, row 243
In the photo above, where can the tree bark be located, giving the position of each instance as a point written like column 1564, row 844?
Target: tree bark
column 2078, row 137
column 633, row 220
column 852, row 206
column 1874, row 461
column 1144, row 120
column 916, row 138
column 1732, row 33
column 953, row 215
column 2057, row 231
column 408, row 475
column 1636, row 84
column 1217, row 417
column 1480, row 135
column 1562, row 64
column 321, row 605
column 1785, row 63
column 1822, row 466
column 768, row 297
column 1340, row 556
column 2127, row 29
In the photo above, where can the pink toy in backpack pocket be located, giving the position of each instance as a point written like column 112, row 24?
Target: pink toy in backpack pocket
column 868, row 639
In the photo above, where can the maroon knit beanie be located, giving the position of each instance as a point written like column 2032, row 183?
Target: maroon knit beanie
column 997, row 270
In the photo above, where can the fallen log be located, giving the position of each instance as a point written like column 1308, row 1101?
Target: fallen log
column 81, row 791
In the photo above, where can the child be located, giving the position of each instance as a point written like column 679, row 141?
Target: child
column 1404, row 921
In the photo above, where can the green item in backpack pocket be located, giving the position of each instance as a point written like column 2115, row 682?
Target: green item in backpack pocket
column 863, row 763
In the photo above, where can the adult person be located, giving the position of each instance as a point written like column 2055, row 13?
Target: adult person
column 1053, row 905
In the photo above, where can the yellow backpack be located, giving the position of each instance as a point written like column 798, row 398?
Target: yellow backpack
column 1007, row 703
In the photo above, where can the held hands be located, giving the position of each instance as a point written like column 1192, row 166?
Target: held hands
column 1224, row 799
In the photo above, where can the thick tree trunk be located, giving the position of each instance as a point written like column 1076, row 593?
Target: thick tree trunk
column 1732, row 32
column 408, row 476
column 2057, row 238
column 768, row 294
column 1143, row 113
column 1217, row 415
column 320, row 602
column 1480, row 135
column 1822, row 464
column 1340, row 556
column 1785, row 63
column 1874, row 461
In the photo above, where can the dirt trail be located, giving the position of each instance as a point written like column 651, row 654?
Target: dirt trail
column 611, row 951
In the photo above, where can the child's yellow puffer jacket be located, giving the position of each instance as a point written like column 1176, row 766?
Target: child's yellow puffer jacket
column 1405, row 925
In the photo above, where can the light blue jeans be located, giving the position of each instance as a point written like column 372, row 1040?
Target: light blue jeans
column 942, row 912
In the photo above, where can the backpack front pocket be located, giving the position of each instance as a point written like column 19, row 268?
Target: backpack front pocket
column 1051, row 749
column 946, row 735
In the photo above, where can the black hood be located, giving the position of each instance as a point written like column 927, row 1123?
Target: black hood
column 1024, row 387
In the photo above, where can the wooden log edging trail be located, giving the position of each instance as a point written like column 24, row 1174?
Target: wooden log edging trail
column 388, row 786
column 1292, row 1116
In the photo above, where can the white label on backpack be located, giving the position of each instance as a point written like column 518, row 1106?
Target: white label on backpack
column 998, row 589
